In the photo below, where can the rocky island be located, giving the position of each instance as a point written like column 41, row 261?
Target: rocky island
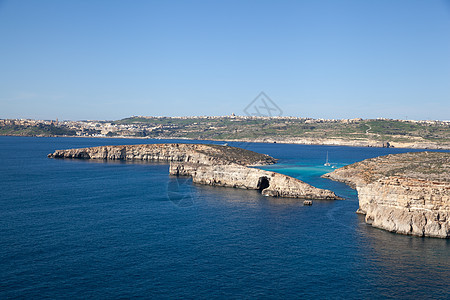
column 209, row 164
column 405, row 193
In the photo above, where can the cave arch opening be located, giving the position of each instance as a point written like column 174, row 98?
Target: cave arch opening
column 263, row 183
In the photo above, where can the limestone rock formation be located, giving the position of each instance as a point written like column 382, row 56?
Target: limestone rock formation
column 209, row 164
column 406, row 193
column 269, row 183
column 196, row 153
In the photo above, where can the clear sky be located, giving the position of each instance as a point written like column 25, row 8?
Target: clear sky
column 87, row 59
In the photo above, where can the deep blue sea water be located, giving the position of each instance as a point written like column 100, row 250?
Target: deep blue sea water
column 81, row 229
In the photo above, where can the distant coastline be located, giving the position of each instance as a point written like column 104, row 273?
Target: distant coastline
column 286, row 130
column 330, row 142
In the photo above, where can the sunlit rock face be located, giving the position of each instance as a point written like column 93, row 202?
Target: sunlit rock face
column 268, row 183
column 196, row 153
column 406, row 193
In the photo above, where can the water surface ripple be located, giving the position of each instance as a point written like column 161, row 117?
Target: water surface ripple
column 80, row 229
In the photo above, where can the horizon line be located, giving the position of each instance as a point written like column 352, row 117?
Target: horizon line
column 232, row 116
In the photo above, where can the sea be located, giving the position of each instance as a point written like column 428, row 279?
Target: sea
column 116, row 230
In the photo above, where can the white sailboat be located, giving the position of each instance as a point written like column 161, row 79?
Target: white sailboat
column 327, row 164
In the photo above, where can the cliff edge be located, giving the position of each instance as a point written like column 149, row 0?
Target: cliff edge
column 209, row 164
column 406, row 193
column 194, row 153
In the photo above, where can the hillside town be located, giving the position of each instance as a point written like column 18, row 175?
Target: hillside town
column 140, row 126
column 350, row 132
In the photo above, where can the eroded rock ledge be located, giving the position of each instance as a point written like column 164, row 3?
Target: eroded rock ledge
column 194, row 153
column 405, row 193
column 209, row 164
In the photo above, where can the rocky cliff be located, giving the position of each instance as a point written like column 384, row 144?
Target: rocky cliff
column 209, row 164
column 406, row 193
column 268, row 183
column 195, row 153
column 356, row 142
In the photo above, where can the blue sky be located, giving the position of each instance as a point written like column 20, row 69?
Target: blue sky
column 323, row 59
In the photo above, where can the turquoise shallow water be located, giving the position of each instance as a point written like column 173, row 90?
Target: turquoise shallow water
column 80, row 229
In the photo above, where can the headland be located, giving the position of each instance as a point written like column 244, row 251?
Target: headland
column 406, row 193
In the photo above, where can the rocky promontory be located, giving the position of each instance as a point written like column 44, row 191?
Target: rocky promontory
column 236, row 176
column 194, row 153
column 208, row 164
column 405, row 193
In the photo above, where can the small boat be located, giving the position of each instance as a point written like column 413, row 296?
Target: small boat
column 327, row 164
column 307, row 202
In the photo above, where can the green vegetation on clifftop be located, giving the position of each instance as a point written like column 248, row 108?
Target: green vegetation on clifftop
column 353, row 132
column 37, row 130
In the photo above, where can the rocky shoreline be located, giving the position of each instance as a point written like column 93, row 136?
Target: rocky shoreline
column 406, row 193
column 209, row 164
column 293, row 141
column 348, row 143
